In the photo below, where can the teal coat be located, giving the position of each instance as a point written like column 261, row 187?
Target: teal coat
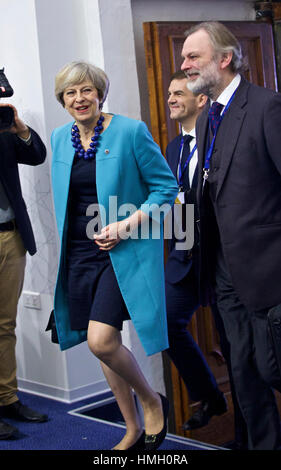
column 129, row 165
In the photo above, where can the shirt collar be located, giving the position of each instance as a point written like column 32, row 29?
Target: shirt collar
column 192, row 132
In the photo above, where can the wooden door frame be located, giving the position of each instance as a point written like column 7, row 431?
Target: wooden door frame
column 157, row 61
column 270, row 12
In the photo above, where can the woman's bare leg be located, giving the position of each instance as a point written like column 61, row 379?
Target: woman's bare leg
column 126, row 402
column 105, row 343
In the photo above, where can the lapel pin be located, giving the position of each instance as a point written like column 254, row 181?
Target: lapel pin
column 106, row 151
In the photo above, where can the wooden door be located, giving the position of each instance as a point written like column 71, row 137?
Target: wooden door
column 163, row 45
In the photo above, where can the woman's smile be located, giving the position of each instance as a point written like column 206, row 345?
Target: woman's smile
column 82, row 100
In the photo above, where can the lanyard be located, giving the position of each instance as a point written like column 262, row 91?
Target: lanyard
column 206, row 168
column 181, row 171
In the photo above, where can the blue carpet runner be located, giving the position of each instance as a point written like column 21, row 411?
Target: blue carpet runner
column 79, row 426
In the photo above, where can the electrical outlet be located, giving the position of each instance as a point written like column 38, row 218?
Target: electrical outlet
column 32, row 300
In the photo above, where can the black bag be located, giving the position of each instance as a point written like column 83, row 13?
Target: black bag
column 5, row 88
column 6, row 112
column 6, row 117
column 52, row 326
column 274, row 323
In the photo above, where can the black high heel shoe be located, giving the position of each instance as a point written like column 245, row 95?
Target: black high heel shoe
column 153, row 441
column 138, row 445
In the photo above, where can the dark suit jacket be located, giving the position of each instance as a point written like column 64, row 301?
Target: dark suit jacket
column 12, row 152
column 179, row 262
column 248, row 196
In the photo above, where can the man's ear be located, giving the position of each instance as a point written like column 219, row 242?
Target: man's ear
column 226, row 59
column 201, row 100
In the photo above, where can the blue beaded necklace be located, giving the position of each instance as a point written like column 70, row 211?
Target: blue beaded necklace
column 76, row 141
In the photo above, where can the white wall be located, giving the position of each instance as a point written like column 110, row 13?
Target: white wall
column 37, row 38
column 43, row 36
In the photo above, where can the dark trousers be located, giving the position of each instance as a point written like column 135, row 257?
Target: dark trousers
column 240, row 427
column 182, row 301
column 253, row 365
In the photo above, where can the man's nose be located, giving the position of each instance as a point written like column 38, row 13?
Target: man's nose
column 185, row 65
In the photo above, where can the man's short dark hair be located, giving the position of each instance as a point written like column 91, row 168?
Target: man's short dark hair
column 179, row 75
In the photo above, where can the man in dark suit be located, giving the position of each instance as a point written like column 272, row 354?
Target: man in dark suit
column 18, row 144
column 239, row 179
column 181, row 270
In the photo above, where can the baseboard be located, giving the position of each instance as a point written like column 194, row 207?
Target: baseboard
column 60, row 394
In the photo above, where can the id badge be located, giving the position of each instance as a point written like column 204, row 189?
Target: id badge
column 177, row 212
column 180, row 198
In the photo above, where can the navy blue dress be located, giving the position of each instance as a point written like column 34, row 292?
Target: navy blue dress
column 93, row 292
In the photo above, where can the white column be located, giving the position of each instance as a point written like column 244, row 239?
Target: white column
column 120, row 57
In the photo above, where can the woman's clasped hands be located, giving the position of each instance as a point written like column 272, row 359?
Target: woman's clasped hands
column 112, row 234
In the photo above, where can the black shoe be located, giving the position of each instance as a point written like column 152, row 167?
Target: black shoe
column 7, row 431
column 207, row 409
column 139, row 444
column 20, row 412
column 235, row 445
column 153, row 441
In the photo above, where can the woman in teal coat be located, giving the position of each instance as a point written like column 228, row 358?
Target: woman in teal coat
column 112, row 188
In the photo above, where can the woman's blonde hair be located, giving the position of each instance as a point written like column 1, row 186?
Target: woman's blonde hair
column 77, row 72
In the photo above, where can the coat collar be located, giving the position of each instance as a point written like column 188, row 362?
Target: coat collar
column 66, row 149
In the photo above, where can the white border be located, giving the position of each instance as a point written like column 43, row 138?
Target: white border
column 170, row 437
